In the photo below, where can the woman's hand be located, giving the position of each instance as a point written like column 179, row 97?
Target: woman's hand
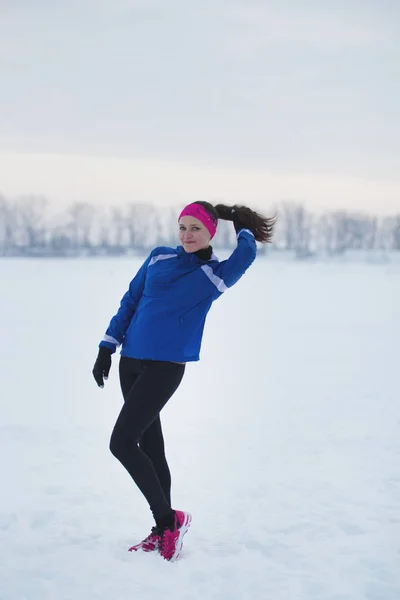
column 102, row 366
column 236, row 223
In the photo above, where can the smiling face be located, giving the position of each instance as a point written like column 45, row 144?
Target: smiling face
column 193, row 235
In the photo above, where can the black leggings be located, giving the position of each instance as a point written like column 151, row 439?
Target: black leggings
column 137, row 440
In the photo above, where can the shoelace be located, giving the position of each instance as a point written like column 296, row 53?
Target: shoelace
column 167, row 541
column 154, row 532
column 164, row 543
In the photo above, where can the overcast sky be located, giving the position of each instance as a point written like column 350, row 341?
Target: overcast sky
column 172, row 101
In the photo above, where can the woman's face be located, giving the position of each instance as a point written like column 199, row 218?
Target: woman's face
column 193, row 235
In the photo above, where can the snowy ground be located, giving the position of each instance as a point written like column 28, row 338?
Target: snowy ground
column 283, row 441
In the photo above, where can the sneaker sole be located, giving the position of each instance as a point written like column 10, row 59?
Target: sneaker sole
column 182, row 531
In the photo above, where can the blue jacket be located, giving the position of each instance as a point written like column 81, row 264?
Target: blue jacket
column 162, row 315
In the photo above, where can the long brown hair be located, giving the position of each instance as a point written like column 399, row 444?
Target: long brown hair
column 261, row 227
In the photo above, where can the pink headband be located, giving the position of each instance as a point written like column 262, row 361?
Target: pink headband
column 200, row 213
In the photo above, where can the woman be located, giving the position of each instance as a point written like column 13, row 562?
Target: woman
column 160, row 326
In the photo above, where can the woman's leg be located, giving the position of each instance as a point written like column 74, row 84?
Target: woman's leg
column 152, row 440
column 154, row 385
column 152, row 444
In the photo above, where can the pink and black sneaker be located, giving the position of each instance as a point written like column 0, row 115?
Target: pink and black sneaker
column 149, row 544
column 171, row 540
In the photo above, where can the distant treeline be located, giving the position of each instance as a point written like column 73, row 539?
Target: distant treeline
column 28, row 227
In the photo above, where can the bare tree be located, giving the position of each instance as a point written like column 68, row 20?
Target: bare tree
column 30, row 212
column 139, row 219
column 118, row 226
column 384, row 237
column 170, row 226
column 81, row 220
column 8, row 226
column 396, row 232
column 288, row 224
column 335, row 232
column 295, row 224
column 371, row 231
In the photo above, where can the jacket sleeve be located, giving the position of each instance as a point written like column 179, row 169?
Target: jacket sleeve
column 232, row 269
column 114, row 335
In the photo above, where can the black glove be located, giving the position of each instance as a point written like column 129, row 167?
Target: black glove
column 102, row 365
column 236, row 223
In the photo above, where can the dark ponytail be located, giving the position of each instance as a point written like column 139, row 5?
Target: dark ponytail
column 262, row 227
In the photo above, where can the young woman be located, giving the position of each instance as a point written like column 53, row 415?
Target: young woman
column 160, row 325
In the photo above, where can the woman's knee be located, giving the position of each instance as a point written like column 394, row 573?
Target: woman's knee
column 114, row 444
column 122, row 443
column 118, row 444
